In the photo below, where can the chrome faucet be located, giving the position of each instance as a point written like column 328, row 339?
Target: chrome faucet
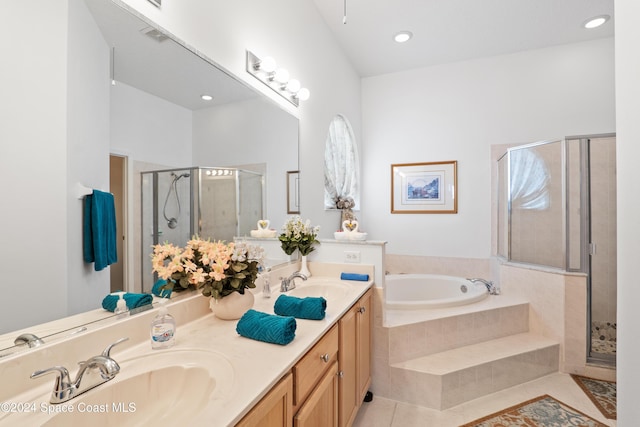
column 29, row 339
column 493, row 290
column 289, row 283
column 93, row 372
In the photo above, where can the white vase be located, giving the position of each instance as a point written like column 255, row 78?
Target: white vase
column 233, row 306
column 304, row 268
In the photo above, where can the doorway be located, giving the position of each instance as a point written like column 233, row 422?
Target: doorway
column 117, row 187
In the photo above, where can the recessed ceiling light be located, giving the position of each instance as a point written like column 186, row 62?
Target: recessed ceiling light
column 206, row 97
column 403, row 36
column 596, row 21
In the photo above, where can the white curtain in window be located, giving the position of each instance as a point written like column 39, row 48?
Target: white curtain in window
column 529, row 180
column 341, row 170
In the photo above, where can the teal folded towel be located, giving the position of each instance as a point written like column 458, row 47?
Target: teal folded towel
column 99, row 230
column 312, row 308
column 132, row 300
column 267, row 327
column 354, row 276
column 158, row 291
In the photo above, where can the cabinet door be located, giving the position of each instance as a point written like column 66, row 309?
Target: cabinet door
column 321, row 408
column 347, row 356
column 274, row 410
column 365, row 318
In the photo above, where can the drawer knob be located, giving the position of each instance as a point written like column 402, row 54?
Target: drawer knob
column 361, row 310
column 325, row 358
column 341, row 374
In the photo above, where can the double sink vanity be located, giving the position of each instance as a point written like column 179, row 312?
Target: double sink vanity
column 212, row 376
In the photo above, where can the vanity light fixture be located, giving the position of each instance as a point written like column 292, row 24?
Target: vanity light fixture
column 596, row 21
column 403, row 36
column 219, row 172
column 267, row 71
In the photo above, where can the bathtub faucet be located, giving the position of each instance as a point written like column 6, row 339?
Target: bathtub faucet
column 493, row 289
column 288, row 283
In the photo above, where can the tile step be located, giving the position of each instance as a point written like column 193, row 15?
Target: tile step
column 469, row 356
column 443, row 380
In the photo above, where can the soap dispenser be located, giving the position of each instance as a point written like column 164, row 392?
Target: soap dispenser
column 121, row 306
column 163, row 328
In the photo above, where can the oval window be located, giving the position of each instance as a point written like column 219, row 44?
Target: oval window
column 341, row 170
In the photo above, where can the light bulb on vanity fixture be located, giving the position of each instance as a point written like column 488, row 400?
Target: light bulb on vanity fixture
column 277, row 78
column 281, row 75
column 268, row 65
column 303, row 94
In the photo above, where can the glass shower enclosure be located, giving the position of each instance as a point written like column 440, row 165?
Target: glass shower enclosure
column 556, row 208
column 214, row 203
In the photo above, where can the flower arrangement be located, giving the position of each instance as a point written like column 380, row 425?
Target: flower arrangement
column 345, row 203
column 218, row 268
column 298, row 235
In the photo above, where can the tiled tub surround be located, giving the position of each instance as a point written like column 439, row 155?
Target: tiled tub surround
column 257, row 366
column 441, row 358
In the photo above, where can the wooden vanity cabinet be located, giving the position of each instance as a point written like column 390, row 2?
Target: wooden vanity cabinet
column 354, row 358
column 311, row 368
column 275, row 409
column 321, row 407
column 328, row 384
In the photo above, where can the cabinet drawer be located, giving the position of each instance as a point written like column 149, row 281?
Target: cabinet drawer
column 308, row 371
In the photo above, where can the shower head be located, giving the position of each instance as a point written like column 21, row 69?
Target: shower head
column 177, row 177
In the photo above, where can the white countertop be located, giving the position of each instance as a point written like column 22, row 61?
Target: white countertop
column 256, row 366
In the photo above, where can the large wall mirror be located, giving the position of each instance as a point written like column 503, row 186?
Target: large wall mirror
column 154, row 116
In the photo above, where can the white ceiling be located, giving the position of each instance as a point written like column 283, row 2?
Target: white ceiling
column 455, row 30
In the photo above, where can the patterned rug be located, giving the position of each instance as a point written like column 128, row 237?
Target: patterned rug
column 602, row 394
column 543, row 411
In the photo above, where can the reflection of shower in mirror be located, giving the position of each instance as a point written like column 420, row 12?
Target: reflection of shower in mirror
column 173, row 221
column 210, row 202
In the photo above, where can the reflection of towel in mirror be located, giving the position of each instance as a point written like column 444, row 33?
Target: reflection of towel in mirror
column 267, row 327
column 311, row 308
column 159, row 292
column 99, row 230
column 132, row 300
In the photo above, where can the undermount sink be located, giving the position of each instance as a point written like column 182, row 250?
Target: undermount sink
column 167, row 387
column 327, row 290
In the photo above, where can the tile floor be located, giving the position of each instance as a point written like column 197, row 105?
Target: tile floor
column 383, row 412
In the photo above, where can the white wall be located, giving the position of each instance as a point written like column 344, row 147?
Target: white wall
column 456, row 112
column 87, row 148
column 148, row 128
column 249, row 132
column 33, row 161
column 628, row 152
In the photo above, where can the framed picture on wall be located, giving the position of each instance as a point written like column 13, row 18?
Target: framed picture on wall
column 418, row 188
column 293, row 192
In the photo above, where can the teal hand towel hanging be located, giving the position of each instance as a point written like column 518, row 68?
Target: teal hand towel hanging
column 99, row 230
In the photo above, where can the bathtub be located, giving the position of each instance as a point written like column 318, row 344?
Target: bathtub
column 419, row 291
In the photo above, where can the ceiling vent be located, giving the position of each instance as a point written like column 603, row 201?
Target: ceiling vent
column 154, row 34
